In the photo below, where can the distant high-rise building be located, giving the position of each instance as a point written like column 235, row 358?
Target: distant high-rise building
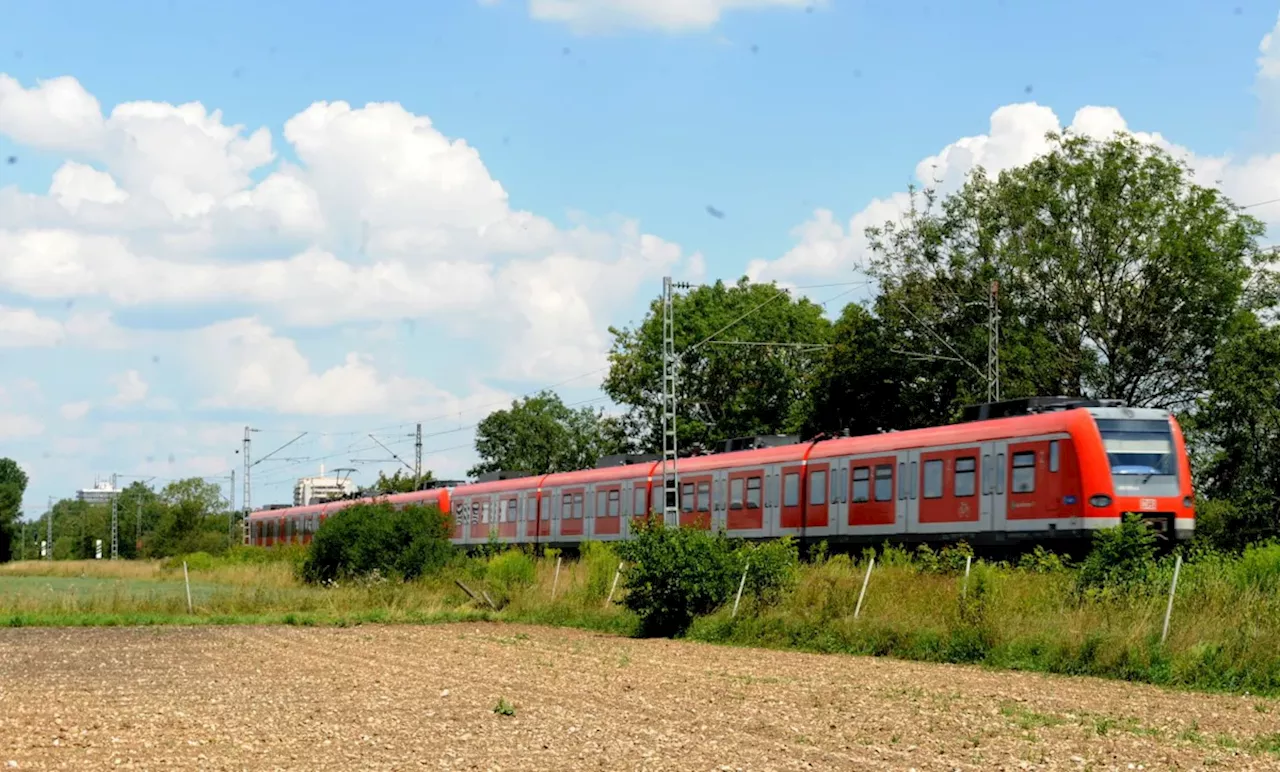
column 315, row 490
column 101, row 493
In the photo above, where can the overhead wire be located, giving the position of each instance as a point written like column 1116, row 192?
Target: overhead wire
column 273, row 476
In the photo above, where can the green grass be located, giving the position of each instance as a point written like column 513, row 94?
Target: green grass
column 1224, row 636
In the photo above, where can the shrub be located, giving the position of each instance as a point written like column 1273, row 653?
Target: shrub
column 676, row 574
column 368, row 538
column 950, row 560
column 601, row 563
column 1259, row 567
column 774, row 567
column 1041, row 561
column 1122, row 558
column 510, row 571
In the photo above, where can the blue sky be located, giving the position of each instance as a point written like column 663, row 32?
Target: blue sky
column 170, row 236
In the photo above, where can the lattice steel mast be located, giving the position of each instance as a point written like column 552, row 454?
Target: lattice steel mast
column 670, row 365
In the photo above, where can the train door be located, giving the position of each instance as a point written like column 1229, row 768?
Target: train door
column 837, row 501
column 909, row 489
column 628, row 494
column 719, row 505
column 995, row 479
column 791, row 511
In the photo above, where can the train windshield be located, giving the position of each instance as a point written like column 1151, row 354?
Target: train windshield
column 1140, row 453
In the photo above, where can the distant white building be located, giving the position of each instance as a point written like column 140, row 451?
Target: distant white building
column 102, row 492
column 314, row 490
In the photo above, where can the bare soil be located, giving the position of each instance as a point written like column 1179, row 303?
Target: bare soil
column 424, row 697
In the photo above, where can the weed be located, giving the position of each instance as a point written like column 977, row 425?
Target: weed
column 504, row 708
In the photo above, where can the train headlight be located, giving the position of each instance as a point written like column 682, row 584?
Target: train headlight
column 1100, row 500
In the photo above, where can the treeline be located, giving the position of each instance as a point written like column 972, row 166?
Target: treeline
column 182, row 517
column 1114, row 277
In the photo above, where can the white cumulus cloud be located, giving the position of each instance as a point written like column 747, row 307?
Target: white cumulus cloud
column 74, row 411
column 827, row 246
column 662, row 15
column 22, row 327
column 383, row 218
column 17, row 426
column 130, row 388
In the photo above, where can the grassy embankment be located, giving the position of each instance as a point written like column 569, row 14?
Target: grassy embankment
column 1225, row 631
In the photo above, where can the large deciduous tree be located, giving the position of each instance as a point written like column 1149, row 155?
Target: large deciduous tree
column 729, row 384
column 1236, row 433
column 400, row 482
column 1117, row 275
column 13, row 484
column 540, row 435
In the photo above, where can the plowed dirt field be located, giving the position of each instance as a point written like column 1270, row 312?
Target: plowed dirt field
column 425, row 697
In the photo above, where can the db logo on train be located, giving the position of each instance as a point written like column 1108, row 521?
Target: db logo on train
column 1147, row 505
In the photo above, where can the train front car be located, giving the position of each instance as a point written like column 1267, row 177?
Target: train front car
column 1135, row 460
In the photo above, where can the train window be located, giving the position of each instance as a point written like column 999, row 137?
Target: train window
column 546, row 507
column 566, row 506
column 1053, row 456
column 512, row 510
column 686, row 497
column 771, row 492
column 835, row 486
column 753, row 493
column 718, row 493
column 579, row 508
column 884, row 482
column 791, row 490
column 902, row 480
column 933, row 479
column 615, row 504
column 602, row 498
column 999, row 473
column 914, row 480
column 704, row 497
column 966, row 472
column 531, row 508
column 861, row 484
column 640, row 507
column 988, row 479
column 817, row 488
column 1024, row 472
column 735, row 493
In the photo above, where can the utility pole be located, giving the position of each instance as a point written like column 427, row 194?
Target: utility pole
column 670, row 472
column 24, row 540
column 115, row 520
column 417, row 457
column 247, row 504
column 993, row 343
column 49, row 543
column 137, row 544
column 231, row 511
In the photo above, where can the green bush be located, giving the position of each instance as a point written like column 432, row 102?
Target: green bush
column 950, row 560
column 774, row 566
column 676, row 574
column 376, row 539
column 510, row 571
column 1259, row 567
column 1041, row 561
column 602, row 564
column 1122, row 558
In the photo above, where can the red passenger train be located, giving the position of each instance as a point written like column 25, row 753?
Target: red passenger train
column 1037, row 469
